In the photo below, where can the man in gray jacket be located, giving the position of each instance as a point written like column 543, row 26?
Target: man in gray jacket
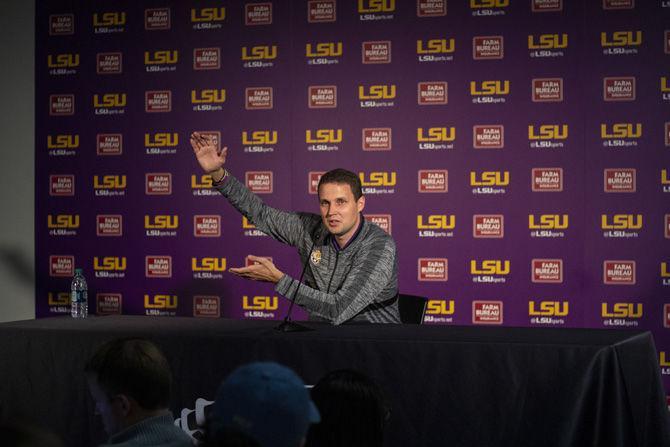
column 352, row 272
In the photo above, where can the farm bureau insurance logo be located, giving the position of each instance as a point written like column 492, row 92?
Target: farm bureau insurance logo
column 548, row 225
column 433, row 269
column 208, row 267
column 436, row 138
column 257, row 14
column 620, row 135
column 488, row 47
column 619, row 180
column 377, row 139
column 617, row 272
column 157, row 19
column 321, row 11
column 158, row 184
column 63, row 224
column 109, row 225
column 62, row 145
column 259, row 141
column 431, row 8
column 383, row 221
column 110, row 185
column 206, row 306
column 158, row 101
column 376, row 52
column 208, row 100
column 260, row 306
column 435, row 50
column 488, row 8
column 433, row 180
column 61, row 24
column 621, row 226
column 108, row 303
column 489, row 182
column 322, row 96
column 547, row 136
column 161, row 305
column 158, row 266
column 109, row 22
column 432, row 93
column 323, row 53
column 61, row 105
column 488, row 136
column 61, row 266
column 259, row 182
column 547, row 90
column 208, row 18
column 547, row 45
column 370, row 10
column 547, row 179
column 161, row 143
column 378, row 182
column 621, row 314
column 619, row 88
column 546, row 271
column 547, row 5
column 61, row 185
column 63, row 64
column 487, row 312
column 206, row 225
column 489, row 271
column 109, row 63
column 161, row 225
column 488, row 226
column 435, row 225
column 547, row 312
column 207, row 58
column 109, row 144
column 258, row 98
column 439, row 311
column 489, row 92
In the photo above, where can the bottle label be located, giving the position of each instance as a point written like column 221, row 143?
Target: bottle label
column 78, row 296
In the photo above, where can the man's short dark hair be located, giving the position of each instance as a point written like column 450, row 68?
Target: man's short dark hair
column 134, row 367
column 340, row 175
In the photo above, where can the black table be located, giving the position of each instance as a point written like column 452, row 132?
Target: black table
column 451, row 386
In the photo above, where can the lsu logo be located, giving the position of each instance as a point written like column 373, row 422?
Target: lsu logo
column 621, row 310
column 323, row 136
column 621, row 39
column 200, row 182
column 62, row 141
column 109, row 19
column 489, row 178
column 372, row 6
column 259, row 137
column 435, row 46
column 59, row 299
column 621, row 222
column 376, row 92
column 109, row 100
column 378, row 179
column 665, row 270
column 621, row 130
column 208, row 264
column 259, row 52
column 161, row 139
column 67, row 60
column 67, row 221
column 489, row 88
column 208, row 96
column 548, row 222
column 478, row 4
column 161, row 57
column 161, row 221
column 436, row 222
column 490, row 267
column 260, row 303
column 440, row 307
column 324, row 49
column 436, row 134
column 109, row 264
column 665, row 85
column 547, row 41
column 663, row 359
column 160, row 301
column 109, row 181
column 548, row 309
column 548, row 132
column 208, row 15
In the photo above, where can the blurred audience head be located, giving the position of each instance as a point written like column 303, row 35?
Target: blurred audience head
column 261, row 404
column 353, row 411
column 130, row 381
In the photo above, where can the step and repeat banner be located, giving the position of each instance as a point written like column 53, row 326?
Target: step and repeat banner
column 517, row 150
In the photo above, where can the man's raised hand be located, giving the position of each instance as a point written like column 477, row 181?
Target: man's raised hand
column 210, row 158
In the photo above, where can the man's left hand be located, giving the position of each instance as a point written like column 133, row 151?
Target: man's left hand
column 262, row 269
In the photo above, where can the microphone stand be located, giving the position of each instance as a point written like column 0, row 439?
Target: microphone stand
column 289, row 325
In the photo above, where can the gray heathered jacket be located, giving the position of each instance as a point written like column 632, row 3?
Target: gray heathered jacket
column 358, row 282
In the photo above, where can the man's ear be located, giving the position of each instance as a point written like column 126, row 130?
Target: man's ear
column 360, row 203
column 124, row 404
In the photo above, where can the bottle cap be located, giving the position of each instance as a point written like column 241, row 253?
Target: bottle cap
column 78, row 271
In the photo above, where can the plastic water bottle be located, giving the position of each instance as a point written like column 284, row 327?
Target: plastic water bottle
column 79, row 295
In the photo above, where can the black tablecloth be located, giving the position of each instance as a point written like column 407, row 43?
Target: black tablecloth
column 449, row 386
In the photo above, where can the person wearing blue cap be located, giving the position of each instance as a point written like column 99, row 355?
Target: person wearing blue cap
column 264, row 404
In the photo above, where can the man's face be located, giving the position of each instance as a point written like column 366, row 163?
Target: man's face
column 108, row 408
column 339, row 209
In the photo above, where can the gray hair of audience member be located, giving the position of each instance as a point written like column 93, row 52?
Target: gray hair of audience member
column 353, row 409
column 135, row 367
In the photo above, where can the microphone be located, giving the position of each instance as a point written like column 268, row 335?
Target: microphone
column 289, row 325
